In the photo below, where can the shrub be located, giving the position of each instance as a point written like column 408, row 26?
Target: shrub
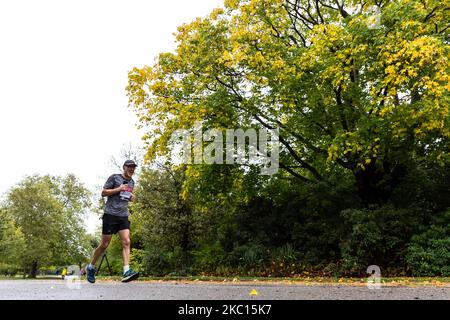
column 248, row 256
column 9, row 270
column 285, row 254
column 209, row 257
column 284, row 261
column 377, row 236
column 428, row 253
column 162, row 262
column 137, row 260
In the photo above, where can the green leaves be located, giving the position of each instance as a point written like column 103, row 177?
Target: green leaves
column 359, row 91
column 349, row 85
column 45, row 221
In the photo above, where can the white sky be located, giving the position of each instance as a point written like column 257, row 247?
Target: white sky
column 63, row 73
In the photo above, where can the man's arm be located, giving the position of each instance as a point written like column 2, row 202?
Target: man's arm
column 110, row 192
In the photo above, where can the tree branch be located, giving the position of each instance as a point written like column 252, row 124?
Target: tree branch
column 316, row 2
column 293, row 173
column 292, row 152
column 340, row 104
column 344, row 13
column 431, row 14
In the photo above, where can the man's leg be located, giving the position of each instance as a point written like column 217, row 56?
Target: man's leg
column 90, row 268
column 126, row 243
column 128, row 274
column 106, row 239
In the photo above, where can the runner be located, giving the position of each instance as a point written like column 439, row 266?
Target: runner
column 119, row 190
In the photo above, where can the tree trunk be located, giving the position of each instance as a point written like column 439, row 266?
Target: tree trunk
column 34, row 269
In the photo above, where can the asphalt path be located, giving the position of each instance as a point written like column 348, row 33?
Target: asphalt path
column 173, row 290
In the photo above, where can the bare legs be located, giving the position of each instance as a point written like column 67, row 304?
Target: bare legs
column 106, row 239
column 126, row 243
column 124, row 236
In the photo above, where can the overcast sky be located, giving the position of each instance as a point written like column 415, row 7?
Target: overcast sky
column 63, row 73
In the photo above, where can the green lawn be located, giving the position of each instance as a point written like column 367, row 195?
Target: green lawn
column 393, row 281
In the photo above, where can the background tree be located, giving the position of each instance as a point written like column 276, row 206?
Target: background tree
column 164, row 219
column 48, row 211
column 12, row 244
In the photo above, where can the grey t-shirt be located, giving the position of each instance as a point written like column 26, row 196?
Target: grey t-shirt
column 117, row 204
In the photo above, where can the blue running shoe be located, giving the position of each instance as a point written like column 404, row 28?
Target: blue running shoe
column 90, row 274
column 130, row 275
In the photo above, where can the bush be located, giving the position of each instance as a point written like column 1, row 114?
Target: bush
column 51, row 270
column 209, row 257
column 377, row 236
column 429, row 252
column 9, row 270
column 284, row 261
column 163, row 262
column 248, row 256
column 137, row 260
column 285, row 254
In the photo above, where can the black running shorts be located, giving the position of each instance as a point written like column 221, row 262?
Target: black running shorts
column 113, row 224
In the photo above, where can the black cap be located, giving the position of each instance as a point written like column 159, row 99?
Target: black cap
column 130, row 163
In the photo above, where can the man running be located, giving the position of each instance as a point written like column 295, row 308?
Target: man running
column 119, row 190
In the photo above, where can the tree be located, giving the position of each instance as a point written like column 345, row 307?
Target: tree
column 12, row 241
column 48, row 212
column 128, row 151
column 164, row 220
column 356, row 88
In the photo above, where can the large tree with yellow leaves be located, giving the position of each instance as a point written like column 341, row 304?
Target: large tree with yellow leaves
column 358, row 89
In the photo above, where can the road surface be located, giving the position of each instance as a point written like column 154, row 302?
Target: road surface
column 154, row 290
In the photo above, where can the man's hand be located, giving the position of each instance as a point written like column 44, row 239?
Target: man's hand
column 133, row 197
column 110, row 192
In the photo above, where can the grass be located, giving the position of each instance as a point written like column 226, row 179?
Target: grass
column 309, row 280
column 390, row 281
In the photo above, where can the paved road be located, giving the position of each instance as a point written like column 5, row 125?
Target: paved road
column 60, row 290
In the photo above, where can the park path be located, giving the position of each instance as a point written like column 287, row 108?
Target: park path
column 172, row 290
